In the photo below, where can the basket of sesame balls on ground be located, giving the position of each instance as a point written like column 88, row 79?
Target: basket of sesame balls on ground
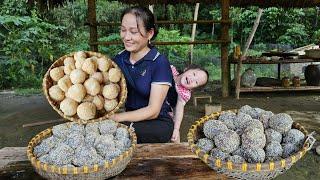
column 249, row 143
column 84, row 88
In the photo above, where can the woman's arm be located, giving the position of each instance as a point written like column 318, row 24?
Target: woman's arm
column 157, row 96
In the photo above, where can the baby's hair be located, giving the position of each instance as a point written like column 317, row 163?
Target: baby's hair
column 145, row 15
column 194, row 66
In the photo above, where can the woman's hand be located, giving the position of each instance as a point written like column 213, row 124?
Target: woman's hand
column 115, row 117
column 175, row 136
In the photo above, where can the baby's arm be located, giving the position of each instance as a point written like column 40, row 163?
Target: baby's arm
column 178, row 116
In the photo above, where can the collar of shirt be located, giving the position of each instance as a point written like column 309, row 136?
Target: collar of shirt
column 150, row 56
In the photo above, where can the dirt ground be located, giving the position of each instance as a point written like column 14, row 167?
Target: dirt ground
column 304, row 107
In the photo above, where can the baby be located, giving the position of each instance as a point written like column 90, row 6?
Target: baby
column 192, row 77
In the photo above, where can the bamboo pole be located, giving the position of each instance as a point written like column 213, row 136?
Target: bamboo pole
column 225, row 66
column 92, row 25
column 247, row 45
column 194, row 27
column 151, row 8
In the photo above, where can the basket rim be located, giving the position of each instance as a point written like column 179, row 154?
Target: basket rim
column 45, row 88
column 244, row 167
column 77, row 170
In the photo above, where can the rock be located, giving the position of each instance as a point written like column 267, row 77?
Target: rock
column 318, row 150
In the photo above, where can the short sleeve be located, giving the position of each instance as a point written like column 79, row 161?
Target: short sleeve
column 161, row 71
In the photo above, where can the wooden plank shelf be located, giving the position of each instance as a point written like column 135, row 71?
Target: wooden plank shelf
column 150, row 161
column 279, row 88
column 263, row 61
column 282, row 61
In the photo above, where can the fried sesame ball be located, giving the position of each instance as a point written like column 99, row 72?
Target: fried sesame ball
column 228, row 141
column 212, row 128
column 281, row 122
column 205, row 144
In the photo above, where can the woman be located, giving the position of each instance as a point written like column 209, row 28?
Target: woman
column 148, row 77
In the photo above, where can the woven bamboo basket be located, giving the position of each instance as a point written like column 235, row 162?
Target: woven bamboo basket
column 48, row 82
column 109, row 169
column 267, row 170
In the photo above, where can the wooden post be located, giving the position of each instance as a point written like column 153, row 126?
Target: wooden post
column 247, row 45
column 193, row 34
column 225, row 65
column 92, row 19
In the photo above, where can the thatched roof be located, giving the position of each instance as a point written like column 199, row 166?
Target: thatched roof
column 238, row 3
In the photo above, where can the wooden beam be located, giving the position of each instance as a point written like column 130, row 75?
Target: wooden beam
column 169, row 22
column 106, row 43
column 43, row 122
column 92, row 19
column 225, row 65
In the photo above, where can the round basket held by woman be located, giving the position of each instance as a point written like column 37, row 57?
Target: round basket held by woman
column 55, row 153
column 241, row 150
column 85, row 86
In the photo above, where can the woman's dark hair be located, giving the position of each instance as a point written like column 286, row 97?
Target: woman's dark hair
column 194, row 66
column 145, row 15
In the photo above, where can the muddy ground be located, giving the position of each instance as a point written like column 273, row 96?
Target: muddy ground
column 304, row 107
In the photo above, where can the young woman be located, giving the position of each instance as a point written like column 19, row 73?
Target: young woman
column 193, row 77
column 148, row 77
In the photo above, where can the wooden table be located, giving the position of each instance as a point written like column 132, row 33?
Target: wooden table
column 150, row 161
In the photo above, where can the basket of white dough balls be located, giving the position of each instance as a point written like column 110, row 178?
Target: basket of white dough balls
column 85, row 86
column 249, row 143
column 96, row 150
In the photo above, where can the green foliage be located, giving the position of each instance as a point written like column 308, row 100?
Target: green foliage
column 27, row 47
column 14, row 8
column 177, row 54
column 113, row 49
column 295, row 36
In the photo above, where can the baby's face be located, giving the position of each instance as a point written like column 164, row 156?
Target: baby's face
column 193, row 78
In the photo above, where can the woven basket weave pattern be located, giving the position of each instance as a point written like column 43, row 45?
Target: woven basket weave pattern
column 265, row 170
column 94, row 172
column 48, row 82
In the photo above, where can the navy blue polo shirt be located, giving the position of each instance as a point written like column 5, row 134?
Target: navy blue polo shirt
column 153, row 68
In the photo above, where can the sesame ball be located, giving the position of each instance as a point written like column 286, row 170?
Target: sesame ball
column 273, row 136
column 254, row 155
column 273, row 151
column 212, row 128
column 289, row 149
column 253, row 138
column 205, row 144
column 294, row 136
column 264, row 118
column 281, row 122
column 228, row 119
column 218, row 154
column 241, row 121
column 228, row 141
